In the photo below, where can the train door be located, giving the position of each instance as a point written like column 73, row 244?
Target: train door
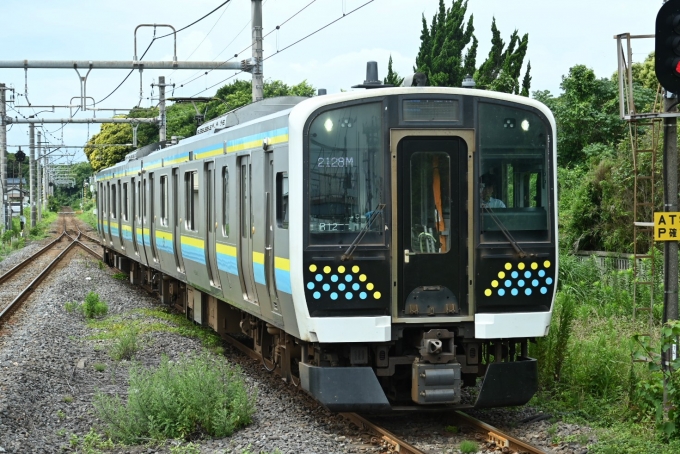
column 177, row 238
column 117, row 213
column 133, row 214
column 431, row 194
column 269, row 233
column 212, row 225
column 247, row 229
column 152, row 216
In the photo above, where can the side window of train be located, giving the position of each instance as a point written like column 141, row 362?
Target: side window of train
column 225, row 201
column 191, row 191
column 113, row 201
column 125, row 202
column 282, row 199
column 164, row 200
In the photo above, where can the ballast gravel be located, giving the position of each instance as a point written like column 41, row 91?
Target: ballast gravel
column 48, row 381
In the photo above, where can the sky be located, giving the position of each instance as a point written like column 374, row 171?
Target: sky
column 561, row 35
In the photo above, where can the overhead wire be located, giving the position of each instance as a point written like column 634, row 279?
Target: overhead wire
column 154, row 40
column 293, row 44
column 244, row 49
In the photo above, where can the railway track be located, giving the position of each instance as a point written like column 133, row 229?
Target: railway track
column 20, row 281
column 393, row 443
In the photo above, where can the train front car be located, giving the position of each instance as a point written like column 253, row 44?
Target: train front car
column 426, row 218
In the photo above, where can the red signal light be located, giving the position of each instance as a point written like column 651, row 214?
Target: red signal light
column 677, row 68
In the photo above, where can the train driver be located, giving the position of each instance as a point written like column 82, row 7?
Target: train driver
column 487, row 190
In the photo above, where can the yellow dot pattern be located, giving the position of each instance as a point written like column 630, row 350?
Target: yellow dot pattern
column 341, row 269
column 377, row 295
column 312, row 268
column 369, row 286
column 326, row 269
column 362, row 278
column 495, row 284
column 355, row 269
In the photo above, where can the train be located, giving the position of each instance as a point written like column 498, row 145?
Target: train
column 383, row 248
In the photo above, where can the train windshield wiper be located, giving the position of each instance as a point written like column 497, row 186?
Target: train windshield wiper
column 362, row 233
column 505, row 232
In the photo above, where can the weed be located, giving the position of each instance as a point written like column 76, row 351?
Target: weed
column 126, row 346
column 100, row 264
column 74, row 440
column 61, row 414
column 99, row 367
column 451, row 429
column 189, row 448
column 120, row 276
column 61, row 432
column 467, row 447
column 93, row 306
column 177, row 400
column 92, row 442
column 71, row 306
column 67, row 399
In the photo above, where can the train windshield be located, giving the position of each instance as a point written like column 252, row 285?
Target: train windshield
column 514, row 191
column 346, row 175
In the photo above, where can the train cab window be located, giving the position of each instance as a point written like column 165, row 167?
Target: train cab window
column 430, row 202
column 191, row 192
column 225, row 202
column 513, row 181
column 164, row 200
column 282, row 200
column 124, row 202
column 346, row 175
column 113, row 201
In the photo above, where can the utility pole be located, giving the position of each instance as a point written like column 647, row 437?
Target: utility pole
column 3, row 159
column 670, row 195
column 257, row 71
column 161, row 108
column 31, row 175
column 37, row 180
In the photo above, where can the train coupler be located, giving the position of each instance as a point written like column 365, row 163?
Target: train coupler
column 435, row 383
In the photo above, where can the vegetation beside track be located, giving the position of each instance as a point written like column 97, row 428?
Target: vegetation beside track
column 13, row 239
column 586, row 371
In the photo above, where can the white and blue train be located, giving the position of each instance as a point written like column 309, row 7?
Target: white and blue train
column 385, row 247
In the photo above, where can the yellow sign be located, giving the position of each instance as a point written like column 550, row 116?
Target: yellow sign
column 666, row 226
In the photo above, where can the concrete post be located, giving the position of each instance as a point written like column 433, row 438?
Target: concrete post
column 3, row 160
column 38, row 186
column 258, row 73
column 31, row 175
column 161, row 106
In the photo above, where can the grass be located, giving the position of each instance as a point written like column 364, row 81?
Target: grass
column 126, row 345
column 120, row 276
column 178, row 400
column 146, row 321
column 88, row 217
column 468, row 447
column 91, row 308
column 585, row 370
column 67, row 399
column 99, row 367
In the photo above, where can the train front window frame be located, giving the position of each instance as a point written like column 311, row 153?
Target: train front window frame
column 514, row 193
column 346, row 174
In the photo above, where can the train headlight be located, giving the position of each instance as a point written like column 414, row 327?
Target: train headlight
column 525, row 125
column 328, row 124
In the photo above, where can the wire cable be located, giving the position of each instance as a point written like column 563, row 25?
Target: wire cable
column 291, row 45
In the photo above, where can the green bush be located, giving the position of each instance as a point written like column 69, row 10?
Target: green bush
column 178, row 400
column 93, row 306
column 126, row 346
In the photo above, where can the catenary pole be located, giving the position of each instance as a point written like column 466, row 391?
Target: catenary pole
column 670, row 195
column 3, row 158
column 161, row 108
column 38, row 186
column 257, row 71
column 31, row 176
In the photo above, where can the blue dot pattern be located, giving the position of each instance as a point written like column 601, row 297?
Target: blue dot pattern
column 526, row 281
column 340, row 289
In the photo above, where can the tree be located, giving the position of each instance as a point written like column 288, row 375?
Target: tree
column 501, row 69
column 441, row 53
column 442, row 45
column 392, row 76
column 181, row 120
